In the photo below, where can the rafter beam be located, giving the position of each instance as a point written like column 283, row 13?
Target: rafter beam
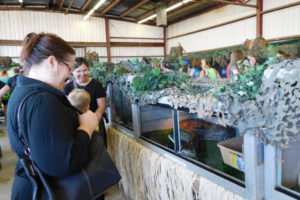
column 184, row 9
column 234, row 3
column 69, row 6
column 61, row 4
column 133, row 8
column 86, row 4
column 110, row 6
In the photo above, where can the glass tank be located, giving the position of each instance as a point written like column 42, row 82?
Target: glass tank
column 199, row 141
column 121, row 108
column 289, row 167
column 195, row 140
column 157, row 125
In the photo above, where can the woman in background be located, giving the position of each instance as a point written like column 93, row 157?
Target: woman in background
column 93, row 87
column 196, row 68
column 233, row 67
column 208, row 71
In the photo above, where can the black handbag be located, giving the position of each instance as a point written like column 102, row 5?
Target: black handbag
column 90, row 183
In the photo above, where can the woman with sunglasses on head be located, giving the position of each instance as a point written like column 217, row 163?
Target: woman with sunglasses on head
column 92, row 86
column 58, row 137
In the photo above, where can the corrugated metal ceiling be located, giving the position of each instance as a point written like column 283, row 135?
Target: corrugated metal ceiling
column 116, row 8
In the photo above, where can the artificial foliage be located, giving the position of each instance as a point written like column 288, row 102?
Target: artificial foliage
column 100, row 71
column 247, row 83
column 155, row 79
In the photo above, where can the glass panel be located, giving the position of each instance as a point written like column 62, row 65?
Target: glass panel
column 121, row 108
column 203, row 141
column 290, row 166
column 157, row 125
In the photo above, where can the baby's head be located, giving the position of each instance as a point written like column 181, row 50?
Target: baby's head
column 80, row 99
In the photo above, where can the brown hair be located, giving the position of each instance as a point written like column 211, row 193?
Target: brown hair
column 28, row 37
column 79, row 61
column 234, row 57
column 16, row 70
column 197, row 64
column 41, row 46
column 79, row 98
column 4, row 73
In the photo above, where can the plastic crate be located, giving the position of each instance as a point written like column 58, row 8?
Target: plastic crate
column 231, row 151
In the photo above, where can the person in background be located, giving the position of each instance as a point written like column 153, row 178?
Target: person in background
column 186, row 66
column 208, row 71
column 233, row 67
column 59, row 138
column 93, row 87
column 1, row 86
column 4, row 76
column 9, row 88
column 196, row 68
column 146, row 60
column 164, row 67
column 283, row 55
column 155, row 65
column 252, row 61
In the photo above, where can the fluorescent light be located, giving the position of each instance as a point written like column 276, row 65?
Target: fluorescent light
column 167, row 10
column 98, row 4
column 146, row 19
column 86, row 17
column 20, row 1
column 93, row 9
column 91, row 12
column 174, row 6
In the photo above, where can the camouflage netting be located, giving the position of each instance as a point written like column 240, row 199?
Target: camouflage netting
column 274, row 116
column 5, row 62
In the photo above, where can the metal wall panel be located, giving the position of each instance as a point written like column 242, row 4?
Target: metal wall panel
column 268, row 4
column 227, row 35
column 137, row 51
column 12, row 51
column 135, row 40
column 128, row 29
column 282, row 23
column 14, row 25
column 79, row 52
column 214, row 17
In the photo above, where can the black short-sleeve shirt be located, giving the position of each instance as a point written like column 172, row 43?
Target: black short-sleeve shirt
column 94, row 88
column 2, row 84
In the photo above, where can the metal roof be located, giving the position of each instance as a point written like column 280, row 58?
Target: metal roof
column 132, row 10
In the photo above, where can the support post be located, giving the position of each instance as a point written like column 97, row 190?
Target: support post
column 107, row 40
column 165, row 41
column 259, row 18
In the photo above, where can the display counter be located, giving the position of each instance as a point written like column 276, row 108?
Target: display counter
column 183, row 148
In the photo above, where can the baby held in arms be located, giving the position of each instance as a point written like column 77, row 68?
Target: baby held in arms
column 80, row 99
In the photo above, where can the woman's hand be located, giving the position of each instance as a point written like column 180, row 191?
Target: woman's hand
column 88, row 122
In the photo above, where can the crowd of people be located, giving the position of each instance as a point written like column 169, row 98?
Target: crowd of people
column 60, row 114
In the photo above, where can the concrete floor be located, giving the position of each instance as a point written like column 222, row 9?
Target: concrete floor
column 9, row 160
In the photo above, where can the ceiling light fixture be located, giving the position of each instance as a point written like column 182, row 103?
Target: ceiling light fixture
column 146, row 19
column 20, row 1
column 167, row 10
column 93, row 9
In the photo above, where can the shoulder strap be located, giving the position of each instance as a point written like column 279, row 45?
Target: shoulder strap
column 75, row 85
column 21, row 136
